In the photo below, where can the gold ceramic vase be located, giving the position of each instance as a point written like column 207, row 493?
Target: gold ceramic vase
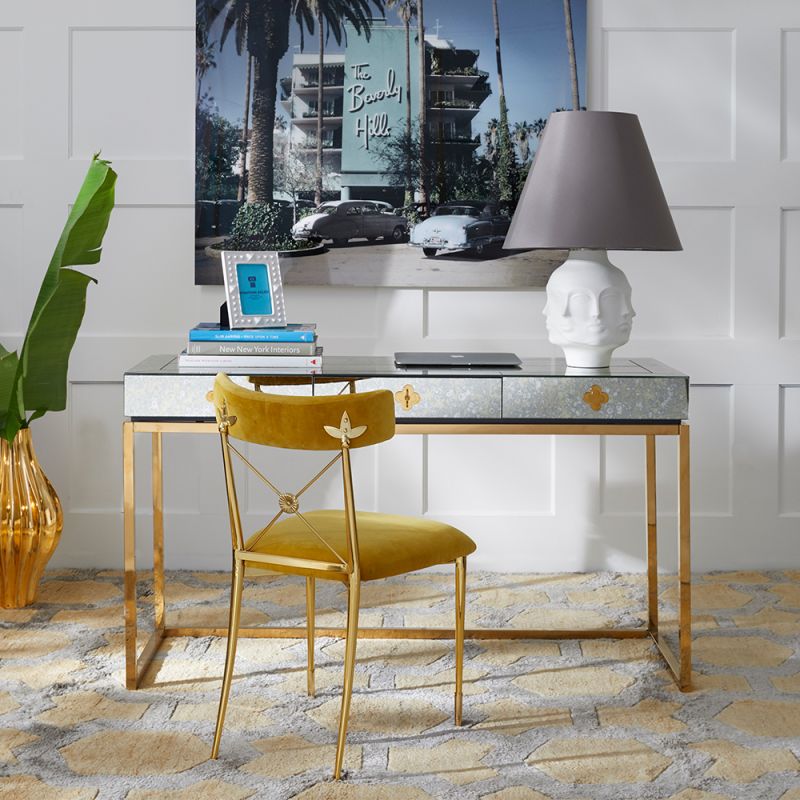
column 30, row 521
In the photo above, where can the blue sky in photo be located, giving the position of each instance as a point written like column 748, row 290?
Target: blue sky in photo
column 533, row 48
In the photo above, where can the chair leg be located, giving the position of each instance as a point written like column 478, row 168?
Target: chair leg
column 353, row 600
column 237, row 584
column 310, row 607
column 461, row 600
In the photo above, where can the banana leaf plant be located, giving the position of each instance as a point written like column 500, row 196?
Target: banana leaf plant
column 34, row 381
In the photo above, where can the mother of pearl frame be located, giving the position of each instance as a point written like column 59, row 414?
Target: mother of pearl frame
column 230, row 260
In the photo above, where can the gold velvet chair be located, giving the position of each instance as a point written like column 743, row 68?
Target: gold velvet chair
column 343, row 545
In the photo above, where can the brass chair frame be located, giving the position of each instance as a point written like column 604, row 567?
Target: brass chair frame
column 347, row 570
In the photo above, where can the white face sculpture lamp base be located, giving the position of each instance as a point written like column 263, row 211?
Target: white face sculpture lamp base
column 588, row 310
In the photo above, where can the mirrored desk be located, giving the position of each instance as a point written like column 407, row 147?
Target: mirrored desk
column 634, row 397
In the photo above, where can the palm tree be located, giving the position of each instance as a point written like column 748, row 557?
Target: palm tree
column 407, row 10
column 521, row 135
column 204, row 60
column 334, row 13
column 240, row 194
column 573, row 67
column 490, row 139
column 204, row 50
column 423, row 104
column 505, row 162
column 320, row 99
column 261, row 28
column 537, row 128
column 496, row 19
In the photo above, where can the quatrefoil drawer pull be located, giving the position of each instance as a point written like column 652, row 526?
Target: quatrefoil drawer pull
column 595, row 398
column 407, row 397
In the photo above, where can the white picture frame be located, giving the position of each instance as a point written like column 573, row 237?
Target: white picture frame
column 253, row 289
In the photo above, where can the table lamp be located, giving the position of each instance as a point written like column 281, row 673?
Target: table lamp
column 592, row 188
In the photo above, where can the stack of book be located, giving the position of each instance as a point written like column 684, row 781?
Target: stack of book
column 212, row 346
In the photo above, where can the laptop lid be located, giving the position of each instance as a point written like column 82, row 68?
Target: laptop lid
column 455, row 359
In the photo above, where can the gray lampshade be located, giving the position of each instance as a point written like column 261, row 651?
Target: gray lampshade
column 593, row 184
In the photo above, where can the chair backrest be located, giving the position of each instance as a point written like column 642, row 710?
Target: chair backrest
column 335, row 423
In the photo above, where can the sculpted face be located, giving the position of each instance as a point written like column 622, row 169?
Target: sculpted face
column 594, row 315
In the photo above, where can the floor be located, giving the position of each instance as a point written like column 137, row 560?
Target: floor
column 576, row 720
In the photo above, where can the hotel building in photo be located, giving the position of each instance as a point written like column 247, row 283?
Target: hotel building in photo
column 364, row 96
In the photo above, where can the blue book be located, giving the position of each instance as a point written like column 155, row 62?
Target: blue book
column 212, row 332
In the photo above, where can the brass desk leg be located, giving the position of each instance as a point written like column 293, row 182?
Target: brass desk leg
column 129, row 524
column 680, row 664
column 684, row 563
column 134, row 667
column 158, row 532
column 652, row 537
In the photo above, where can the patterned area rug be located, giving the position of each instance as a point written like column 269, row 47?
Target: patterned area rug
column 577, row 720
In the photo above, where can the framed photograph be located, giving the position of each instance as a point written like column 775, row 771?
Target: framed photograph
column 253, row 289
column 388, row 149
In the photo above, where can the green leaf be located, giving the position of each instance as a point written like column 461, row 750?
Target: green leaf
column 59, row 308
column 49, row 343
column 86, row 225
column 10, row 422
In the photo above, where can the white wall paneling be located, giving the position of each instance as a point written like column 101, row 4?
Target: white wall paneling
column 482, row 316
column 716, row 87
column 790, row 273
column 12, row 318
column 144, row 243
column 716, row 91
column 700, row 83
column 92, row 433
column 690, row 291
column 790, row 95
column 712, row 463
column 11, row 40
column 400, row 476
column 499, row 476
column 789, row 452
column 146, row 115
column 712, row 450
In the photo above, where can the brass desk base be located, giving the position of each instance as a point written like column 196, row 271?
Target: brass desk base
column 680, row 664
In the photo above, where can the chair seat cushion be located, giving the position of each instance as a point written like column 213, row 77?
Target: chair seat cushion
column 388, row 544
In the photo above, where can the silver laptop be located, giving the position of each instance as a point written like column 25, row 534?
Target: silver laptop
column 452, row 359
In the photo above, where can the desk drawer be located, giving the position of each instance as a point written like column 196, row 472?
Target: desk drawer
column 596, row 398
column 180, row 396
column 441, row 398
column 184, row 396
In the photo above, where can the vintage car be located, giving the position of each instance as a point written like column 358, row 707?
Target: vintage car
column 342, row 220
column 461, row 225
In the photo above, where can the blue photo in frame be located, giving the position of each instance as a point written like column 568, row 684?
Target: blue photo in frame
column 253, row 289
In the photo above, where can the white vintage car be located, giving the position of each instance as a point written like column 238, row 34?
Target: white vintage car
column 461, row 225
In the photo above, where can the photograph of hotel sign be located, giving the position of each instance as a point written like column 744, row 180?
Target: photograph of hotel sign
column 374, row 96
column 369, row 125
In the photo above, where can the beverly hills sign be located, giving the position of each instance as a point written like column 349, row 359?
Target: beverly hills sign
column 375, row 97
column 369, row 124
